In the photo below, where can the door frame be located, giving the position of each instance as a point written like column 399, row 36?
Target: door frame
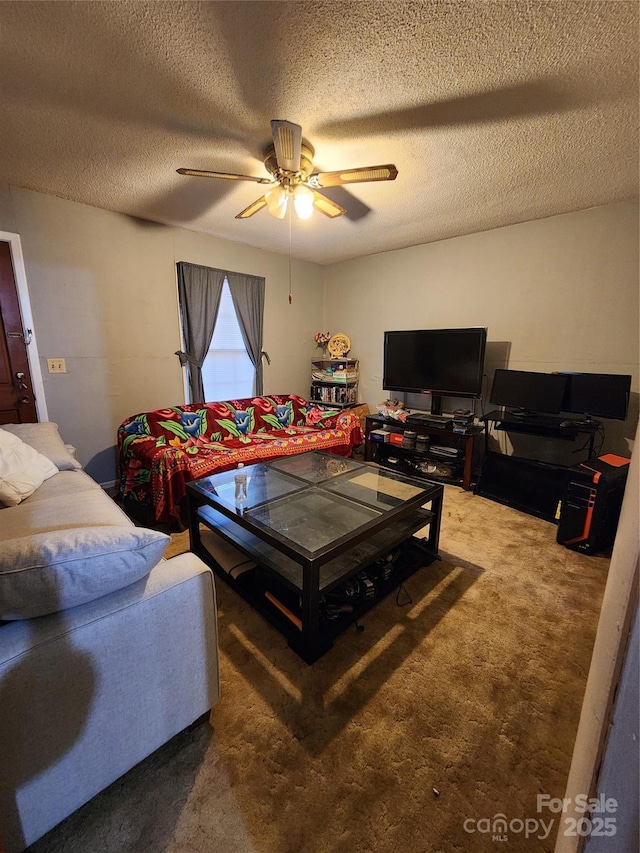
column 33, row 357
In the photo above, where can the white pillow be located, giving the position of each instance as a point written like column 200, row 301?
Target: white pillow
column 45, row 438
column 47, row 572
column 22, row 469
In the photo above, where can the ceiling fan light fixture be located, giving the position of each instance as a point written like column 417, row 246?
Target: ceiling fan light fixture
column 277, row 200
column 303, row 201
column 289, row 162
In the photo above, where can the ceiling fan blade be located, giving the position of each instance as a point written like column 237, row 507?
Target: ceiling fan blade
column 287, row 142
column 254, row 207
column 354, row 176
column 326, row 206
column 203, row 173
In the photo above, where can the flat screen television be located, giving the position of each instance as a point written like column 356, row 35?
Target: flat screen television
column 600, row 395
column 440, row 362
column 528, row 392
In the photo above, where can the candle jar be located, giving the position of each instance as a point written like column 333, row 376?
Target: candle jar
column 409, row 439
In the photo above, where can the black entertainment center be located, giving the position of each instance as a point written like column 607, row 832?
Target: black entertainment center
column 531, row 485
column 561, row 406
column 540, row 403
column 438, row 363
column 445, row 457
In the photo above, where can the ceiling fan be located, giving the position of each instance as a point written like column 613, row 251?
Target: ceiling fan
column 289, row 161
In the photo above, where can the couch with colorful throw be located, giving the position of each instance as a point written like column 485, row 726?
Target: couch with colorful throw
column 160, row 451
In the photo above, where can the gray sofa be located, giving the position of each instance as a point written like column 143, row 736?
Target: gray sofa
column 106, row 649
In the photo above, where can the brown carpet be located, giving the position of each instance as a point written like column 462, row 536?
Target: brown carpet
column 474, row 690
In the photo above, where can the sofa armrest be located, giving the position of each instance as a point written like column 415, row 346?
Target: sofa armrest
column 89, row 692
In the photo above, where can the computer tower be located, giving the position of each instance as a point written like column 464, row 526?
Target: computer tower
column 591, row 504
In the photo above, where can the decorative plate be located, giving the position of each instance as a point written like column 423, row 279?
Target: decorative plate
column 339, row 345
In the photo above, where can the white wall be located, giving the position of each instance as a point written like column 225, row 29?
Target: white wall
column 104, row 297
column 605, row 756
column 555, row 294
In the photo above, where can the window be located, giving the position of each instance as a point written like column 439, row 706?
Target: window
column 227, row 372
column 221, row 314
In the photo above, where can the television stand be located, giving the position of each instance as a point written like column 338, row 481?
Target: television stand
column 543, row 426
column 437, row 465
column 531, row 485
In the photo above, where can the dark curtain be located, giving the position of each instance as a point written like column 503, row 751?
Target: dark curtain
column 247, row 292
column 199, row 291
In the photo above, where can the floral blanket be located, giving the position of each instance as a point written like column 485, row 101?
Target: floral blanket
column 160, row 451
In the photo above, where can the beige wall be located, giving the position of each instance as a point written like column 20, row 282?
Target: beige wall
column 559, row 293
column 104, row 297
column 555, row 294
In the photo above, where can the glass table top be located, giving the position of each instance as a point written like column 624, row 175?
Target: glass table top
column 313, row 501
column 313, row 519
column 316, row 467
column 378, row 488
column 264, row 483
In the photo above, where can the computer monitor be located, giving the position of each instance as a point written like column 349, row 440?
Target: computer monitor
column 528, row 392
column 600, row 395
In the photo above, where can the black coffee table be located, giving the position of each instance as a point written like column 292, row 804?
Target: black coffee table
column 313, row 523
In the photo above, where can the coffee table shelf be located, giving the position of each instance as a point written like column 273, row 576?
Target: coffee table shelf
column 253, row 585
column 311, row 526
column 335, row 570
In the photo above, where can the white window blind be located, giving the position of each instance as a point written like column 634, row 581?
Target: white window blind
column 227, row 372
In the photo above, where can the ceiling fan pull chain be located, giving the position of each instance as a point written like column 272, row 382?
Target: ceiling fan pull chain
column 290, row 296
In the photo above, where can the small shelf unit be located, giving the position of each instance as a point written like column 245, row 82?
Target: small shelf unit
column 334, row 381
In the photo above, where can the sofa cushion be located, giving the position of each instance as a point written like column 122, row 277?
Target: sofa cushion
column 45, row 438
column 91, row 508
column 65, row 483
column 22, row 469
column 47, row 572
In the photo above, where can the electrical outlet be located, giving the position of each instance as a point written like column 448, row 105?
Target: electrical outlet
column 56, row 365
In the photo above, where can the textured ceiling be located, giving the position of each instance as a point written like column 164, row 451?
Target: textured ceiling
column 493, row 112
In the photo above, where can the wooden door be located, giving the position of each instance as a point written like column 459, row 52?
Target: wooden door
column 17, row 401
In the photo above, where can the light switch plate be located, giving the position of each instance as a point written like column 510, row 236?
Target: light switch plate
column 56, row 365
